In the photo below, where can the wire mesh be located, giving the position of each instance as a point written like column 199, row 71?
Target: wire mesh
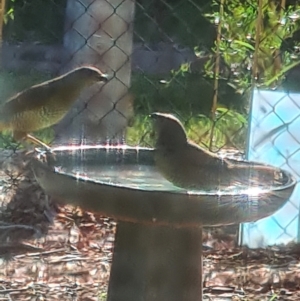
column 199, row 60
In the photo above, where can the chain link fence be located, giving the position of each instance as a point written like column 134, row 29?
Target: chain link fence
column 199, row 60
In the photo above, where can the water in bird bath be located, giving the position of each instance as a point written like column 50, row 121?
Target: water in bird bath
column 134, row 176
column 131, row 167
column 112, row 165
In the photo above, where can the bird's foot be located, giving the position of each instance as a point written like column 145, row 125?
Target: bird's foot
column 48, row 157
column 37, row 142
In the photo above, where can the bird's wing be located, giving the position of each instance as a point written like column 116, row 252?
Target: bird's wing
column 191, row 167
column 201, row 157
column 190, row 158
column 30, row 99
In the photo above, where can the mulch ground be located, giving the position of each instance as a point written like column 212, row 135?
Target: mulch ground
column 52, row 252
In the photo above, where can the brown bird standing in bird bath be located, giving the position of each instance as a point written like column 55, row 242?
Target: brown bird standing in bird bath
column 45, row 104
column 189, row 166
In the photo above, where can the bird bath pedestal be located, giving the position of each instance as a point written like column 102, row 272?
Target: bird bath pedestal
column 158, row 244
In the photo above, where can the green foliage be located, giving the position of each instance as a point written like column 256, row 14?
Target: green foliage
column 178, row 20
column 189, row 95
column 181, row 91
column 237, row 45
column 229, row 130
column 140, row 134
column 7, row 141
column 34, row 20
column 9, row 13
column 102, row 296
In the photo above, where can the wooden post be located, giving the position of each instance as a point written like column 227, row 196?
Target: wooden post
column 99, row 33
column 2, row 12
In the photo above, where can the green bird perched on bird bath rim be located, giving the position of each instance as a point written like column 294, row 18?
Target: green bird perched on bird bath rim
column 45, row 104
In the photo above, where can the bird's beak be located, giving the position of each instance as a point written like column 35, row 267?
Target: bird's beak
column 105, row 78
column 153, row 115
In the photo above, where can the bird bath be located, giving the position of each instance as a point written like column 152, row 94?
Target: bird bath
column 158, row 244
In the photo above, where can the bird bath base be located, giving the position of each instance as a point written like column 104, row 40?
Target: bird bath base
column 158, row 244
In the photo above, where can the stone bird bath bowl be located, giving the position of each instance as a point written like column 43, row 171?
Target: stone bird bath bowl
column 158, row 243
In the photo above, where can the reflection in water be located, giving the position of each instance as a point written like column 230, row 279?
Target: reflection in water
column 133, row 176
column 148, row 178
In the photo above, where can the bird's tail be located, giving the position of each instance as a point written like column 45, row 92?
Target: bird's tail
column 256, row 174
